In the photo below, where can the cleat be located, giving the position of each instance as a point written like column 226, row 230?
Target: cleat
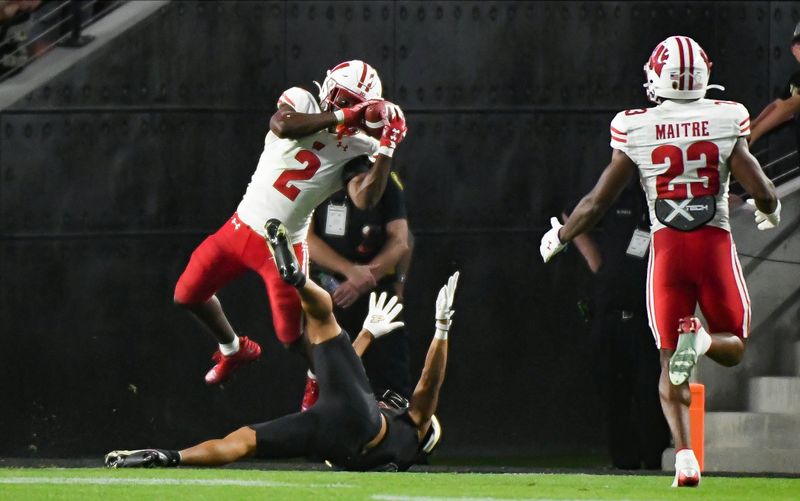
column 142, row 458
column 310, row 395
column 282, row 252
column 687, row 470
column 685, row 357
column 686, row 478
column 249, row 351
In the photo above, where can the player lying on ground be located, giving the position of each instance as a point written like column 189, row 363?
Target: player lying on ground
column 685, row 149
column 346, row 426
column 305, row 159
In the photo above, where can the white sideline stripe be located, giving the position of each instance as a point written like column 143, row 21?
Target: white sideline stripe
column 212, row 482
column 388, row 497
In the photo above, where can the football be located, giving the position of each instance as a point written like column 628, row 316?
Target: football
column 373, row 119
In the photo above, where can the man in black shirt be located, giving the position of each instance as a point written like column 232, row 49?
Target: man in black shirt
column 786, row 107
column 353, row 252
column 346, row 426
column 626, row 366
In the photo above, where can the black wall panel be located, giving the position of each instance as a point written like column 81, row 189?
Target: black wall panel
column 206, row 54
column 125, row 171
column 486, row 171
column 102, row 358
column 342, row 31
column 113, row 172
column 506, row 337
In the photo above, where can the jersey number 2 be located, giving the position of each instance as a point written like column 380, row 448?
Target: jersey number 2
column 304, row 157
column 708, row 176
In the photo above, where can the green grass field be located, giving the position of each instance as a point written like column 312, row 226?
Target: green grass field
column 186, row 484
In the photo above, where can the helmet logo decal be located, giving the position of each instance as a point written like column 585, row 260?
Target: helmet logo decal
column 659, row 58
column 362, row 82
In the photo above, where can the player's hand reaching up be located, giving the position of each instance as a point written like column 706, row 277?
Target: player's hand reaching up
column 766, row 221
column 551, row 243
column 444, row 306
column 394, row 129
column 380, row 315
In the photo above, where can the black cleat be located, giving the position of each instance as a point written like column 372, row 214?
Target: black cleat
column 282, row 251
column 142, row 458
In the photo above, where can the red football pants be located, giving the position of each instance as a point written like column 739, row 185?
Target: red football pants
column 225, row 255
column 687, row 268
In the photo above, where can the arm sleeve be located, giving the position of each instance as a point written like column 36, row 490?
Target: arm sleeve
column 299, row 99
column 394, row 199
column 619, row 133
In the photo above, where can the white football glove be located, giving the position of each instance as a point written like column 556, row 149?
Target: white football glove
column 380, row 315
column 444, row 303
column 551, row 244
column 766, row 221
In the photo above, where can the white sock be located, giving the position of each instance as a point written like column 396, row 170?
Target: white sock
column 702, row 341
column 231, row 348
column 685, row 458
column 311, row 375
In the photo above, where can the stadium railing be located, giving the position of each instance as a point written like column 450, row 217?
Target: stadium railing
column 31, row 32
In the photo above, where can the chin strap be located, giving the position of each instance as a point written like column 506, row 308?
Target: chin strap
column 715, row 86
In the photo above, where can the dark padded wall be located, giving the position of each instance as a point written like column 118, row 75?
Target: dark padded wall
column 112, row 173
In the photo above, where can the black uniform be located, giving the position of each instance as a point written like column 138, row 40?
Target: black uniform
column 345, row 418
column 364, row 235
column 627, row 363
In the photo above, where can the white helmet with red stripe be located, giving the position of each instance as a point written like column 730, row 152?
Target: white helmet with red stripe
column 678, row 68
column 354, row 79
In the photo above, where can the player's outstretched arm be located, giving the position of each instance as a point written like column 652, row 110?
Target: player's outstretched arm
column 378, row 322
column 290, row 124
column 776, row 113
column 426, row 395
column 746, row 169
column 366, row 190
column 592, row 207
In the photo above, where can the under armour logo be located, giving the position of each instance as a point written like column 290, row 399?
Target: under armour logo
column 236, row 224
column 395, row 132
column 343, row 147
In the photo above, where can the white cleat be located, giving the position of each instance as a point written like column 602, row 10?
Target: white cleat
column 685, row 357
column 687, row 469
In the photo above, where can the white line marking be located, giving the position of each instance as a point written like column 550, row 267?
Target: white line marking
column 212, row 482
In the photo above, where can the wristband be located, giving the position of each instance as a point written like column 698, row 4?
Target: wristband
column 442, row 328
column 339, row 115
column 386, row 151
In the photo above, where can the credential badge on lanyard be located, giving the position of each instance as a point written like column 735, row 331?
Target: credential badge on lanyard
column 640, row 242
column 336, row 220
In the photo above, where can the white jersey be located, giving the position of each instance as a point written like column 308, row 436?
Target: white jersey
column 295, row 175
column 682, row 150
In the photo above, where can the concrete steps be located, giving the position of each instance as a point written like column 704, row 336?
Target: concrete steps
column 766, row 438
column 752, row 430
column 746, row 459
column 774, row 394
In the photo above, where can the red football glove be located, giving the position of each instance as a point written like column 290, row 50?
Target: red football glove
column 394, row 131
column 351, row 117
